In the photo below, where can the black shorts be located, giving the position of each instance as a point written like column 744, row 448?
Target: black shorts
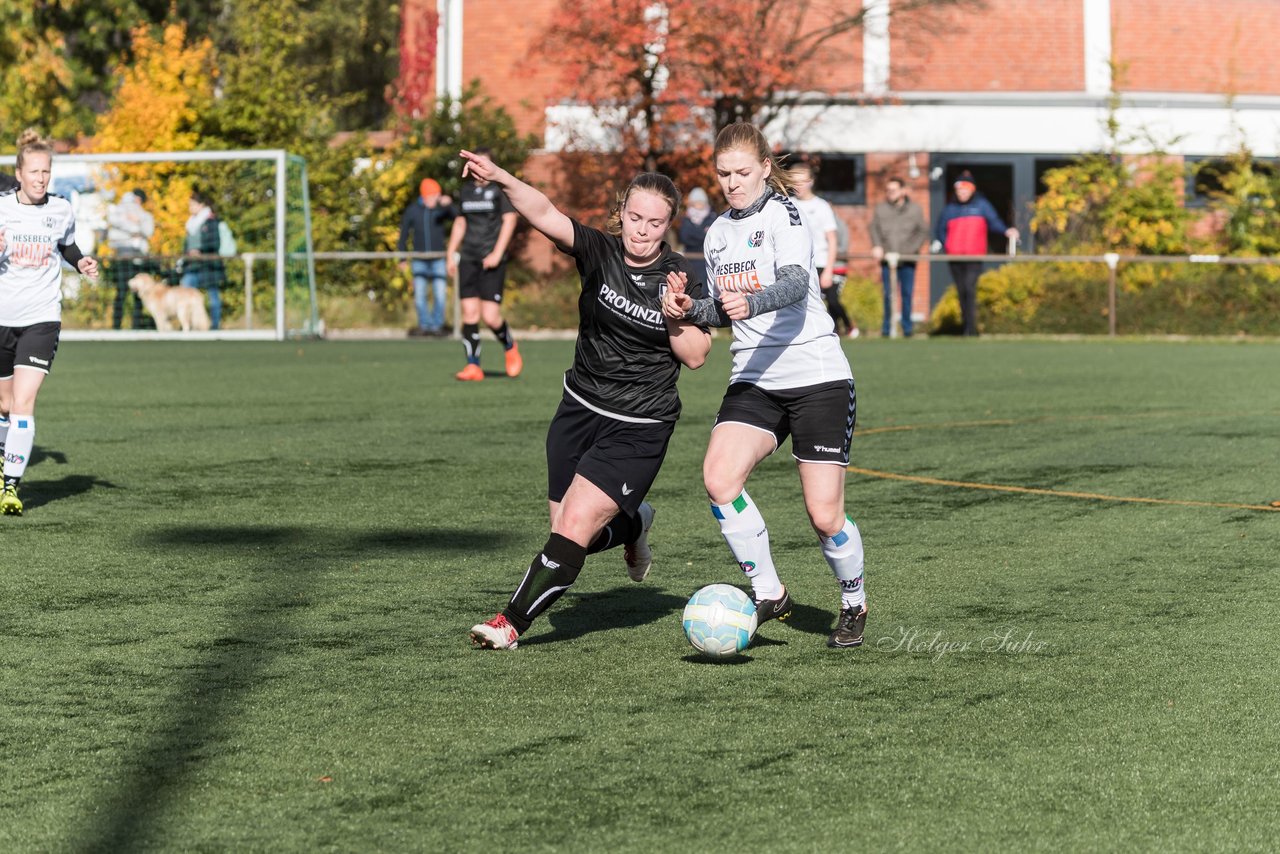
column 620, row 457
column 475, row 281
column 31, row 347
column 819, row 418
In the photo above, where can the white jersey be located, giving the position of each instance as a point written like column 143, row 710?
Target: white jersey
column 797, row 345
column 31, row 262
column 820, row 218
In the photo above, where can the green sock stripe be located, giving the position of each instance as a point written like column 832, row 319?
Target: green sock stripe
column 740, row 503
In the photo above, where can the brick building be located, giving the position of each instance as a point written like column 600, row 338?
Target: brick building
column 1005, row 91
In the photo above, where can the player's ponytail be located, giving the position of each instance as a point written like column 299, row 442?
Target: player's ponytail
column 29, row 142
column 743, row 136
column 650, row 182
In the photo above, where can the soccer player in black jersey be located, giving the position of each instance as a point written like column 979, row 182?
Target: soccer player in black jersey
column 479, row 238
column 620, row 404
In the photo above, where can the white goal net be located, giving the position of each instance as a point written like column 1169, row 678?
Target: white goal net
column 259, row 283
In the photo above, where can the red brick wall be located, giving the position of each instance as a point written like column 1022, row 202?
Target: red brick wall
column 838, row 65
column 1010, row 46
column 497, row 35
column 1224, row 46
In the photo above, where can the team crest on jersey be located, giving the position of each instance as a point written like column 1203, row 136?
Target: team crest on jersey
column 756, row 240
column 50, row 222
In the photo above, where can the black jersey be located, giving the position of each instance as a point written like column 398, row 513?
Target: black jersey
column 482, row 208
column 623, row 365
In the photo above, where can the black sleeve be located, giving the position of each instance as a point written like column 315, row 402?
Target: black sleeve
column 590, row 245
column 71, row 253
column 504, row 205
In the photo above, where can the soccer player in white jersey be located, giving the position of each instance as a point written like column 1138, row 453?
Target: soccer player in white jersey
column 620, row 403
column 820, row 217
column 37, row 232
column 789, row 377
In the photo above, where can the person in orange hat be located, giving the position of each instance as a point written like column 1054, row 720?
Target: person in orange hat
column 423, row 224
column 478, row 259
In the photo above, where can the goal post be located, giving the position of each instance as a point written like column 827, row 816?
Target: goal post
column 271, row 218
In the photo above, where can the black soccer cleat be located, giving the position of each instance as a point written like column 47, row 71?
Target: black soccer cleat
column 849, row 628
column 773, row 609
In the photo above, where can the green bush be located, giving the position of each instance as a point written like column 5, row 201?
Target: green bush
column 862, row 298
column 1151, row 299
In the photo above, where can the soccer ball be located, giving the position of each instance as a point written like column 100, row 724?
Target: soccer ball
column 720, row 620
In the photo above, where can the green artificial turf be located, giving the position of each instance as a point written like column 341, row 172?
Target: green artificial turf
column 235, row 613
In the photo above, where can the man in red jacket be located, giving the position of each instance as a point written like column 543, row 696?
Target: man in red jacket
column 962, row 230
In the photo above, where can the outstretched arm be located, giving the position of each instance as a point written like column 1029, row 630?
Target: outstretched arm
column 530, row 203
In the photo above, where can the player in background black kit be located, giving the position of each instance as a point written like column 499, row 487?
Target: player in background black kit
column 620, row 404
column 482, row 232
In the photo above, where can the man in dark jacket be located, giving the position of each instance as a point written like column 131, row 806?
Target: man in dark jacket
column 962, row 230
column 897, row 226
column 423, row 225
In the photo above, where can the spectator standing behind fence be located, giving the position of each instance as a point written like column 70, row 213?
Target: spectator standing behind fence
column 697, row 218
column 820, row 219
column 204, row 238
column 898, row 225
column 129, row 230
column 423, row 225
column 482, row 232
column 962, row 230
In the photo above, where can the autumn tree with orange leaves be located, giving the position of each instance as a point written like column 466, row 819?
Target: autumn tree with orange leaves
column 660, row 77
column 163, row 93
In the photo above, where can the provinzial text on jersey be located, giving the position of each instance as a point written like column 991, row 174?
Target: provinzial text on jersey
column 611, row 297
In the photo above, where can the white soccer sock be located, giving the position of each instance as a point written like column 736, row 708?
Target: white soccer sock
column 4, row 435
column 744, row 530
column 844, row 553
column 18, row 444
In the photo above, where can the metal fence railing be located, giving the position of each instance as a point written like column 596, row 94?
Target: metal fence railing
column 1112, row 261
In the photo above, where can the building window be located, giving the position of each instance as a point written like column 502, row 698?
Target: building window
column 841, row 178
column 1205, row 174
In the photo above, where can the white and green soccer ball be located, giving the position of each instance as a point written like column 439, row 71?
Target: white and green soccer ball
column 720, row 620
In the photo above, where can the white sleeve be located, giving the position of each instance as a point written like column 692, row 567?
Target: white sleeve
column 791, row 242
column 70, row 236
column 825, row 216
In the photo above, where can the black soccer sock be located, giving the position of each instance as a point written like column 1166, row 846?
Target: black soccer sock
column 471, row 341
column 503, row 334
column 549, row 576
column 623, row 528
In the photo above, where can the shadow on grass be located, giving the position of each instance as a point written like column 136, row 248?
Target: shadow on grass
column 39, row 455
column 431, row 539
column 621, row 608
column 731, row 661
column 811, row 620
column 200, row 717
column 42, row 492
